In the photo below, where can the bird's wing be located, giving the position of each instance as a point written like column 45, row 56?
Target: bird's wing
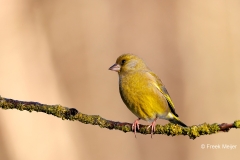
column 160, row 86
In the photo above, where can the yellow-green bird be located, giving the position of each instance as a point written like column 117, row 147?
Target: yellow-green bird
column 143, row 92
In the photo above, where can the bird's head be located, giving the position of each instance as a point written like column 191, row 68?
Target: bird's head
column 127, row 63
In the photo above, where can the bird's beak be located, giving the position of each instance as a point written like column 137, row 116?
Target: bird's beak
column 115, row 67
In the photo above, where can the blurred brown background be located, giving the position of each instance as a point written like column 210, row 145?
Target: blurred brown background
column 59, row 52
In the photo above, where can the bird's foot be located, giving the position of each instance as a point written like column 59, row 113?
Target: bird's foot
column 152, row 125
column 135, row 126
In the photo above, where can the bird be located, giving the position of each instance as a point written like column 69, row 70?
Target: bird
column 143, row 92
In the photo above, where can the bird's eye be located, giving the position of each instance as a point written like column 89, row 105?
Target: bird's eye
column 123, row 61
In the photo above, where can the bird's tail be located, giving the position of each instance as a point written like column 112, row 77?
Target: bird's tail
column 175, row 120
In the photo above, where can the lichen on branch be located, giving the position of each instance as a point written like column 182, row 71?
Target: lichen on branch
column 74, row 115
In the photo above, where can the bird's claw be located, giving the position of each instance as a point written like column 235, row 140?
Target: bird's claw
column 135, row 126
column 153, row 127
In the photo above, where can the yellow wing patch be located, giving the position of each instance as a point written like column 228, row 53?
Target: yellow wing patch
column 159, row 85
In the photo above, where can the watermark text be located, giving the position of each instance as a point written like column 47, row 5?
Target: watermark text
column 219, row 146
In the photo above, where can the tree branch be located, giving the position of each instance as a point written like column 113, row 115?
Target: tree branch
column 74, row 115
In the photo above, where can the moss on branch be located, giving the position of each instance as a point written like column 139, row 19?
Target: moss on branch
column 74, row 115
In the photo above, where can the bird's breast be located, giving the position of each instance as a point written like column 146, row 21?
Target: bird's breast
column 141, row 97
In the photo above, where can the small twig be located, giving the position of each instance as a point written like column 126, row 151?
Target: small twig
column 74, row 115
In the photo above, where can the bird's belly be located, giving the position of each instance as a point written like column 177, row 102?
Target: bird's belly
column 145, row 105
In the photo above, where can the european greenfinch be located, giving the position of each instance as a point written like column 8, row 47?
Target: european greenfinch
column 143, row 92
